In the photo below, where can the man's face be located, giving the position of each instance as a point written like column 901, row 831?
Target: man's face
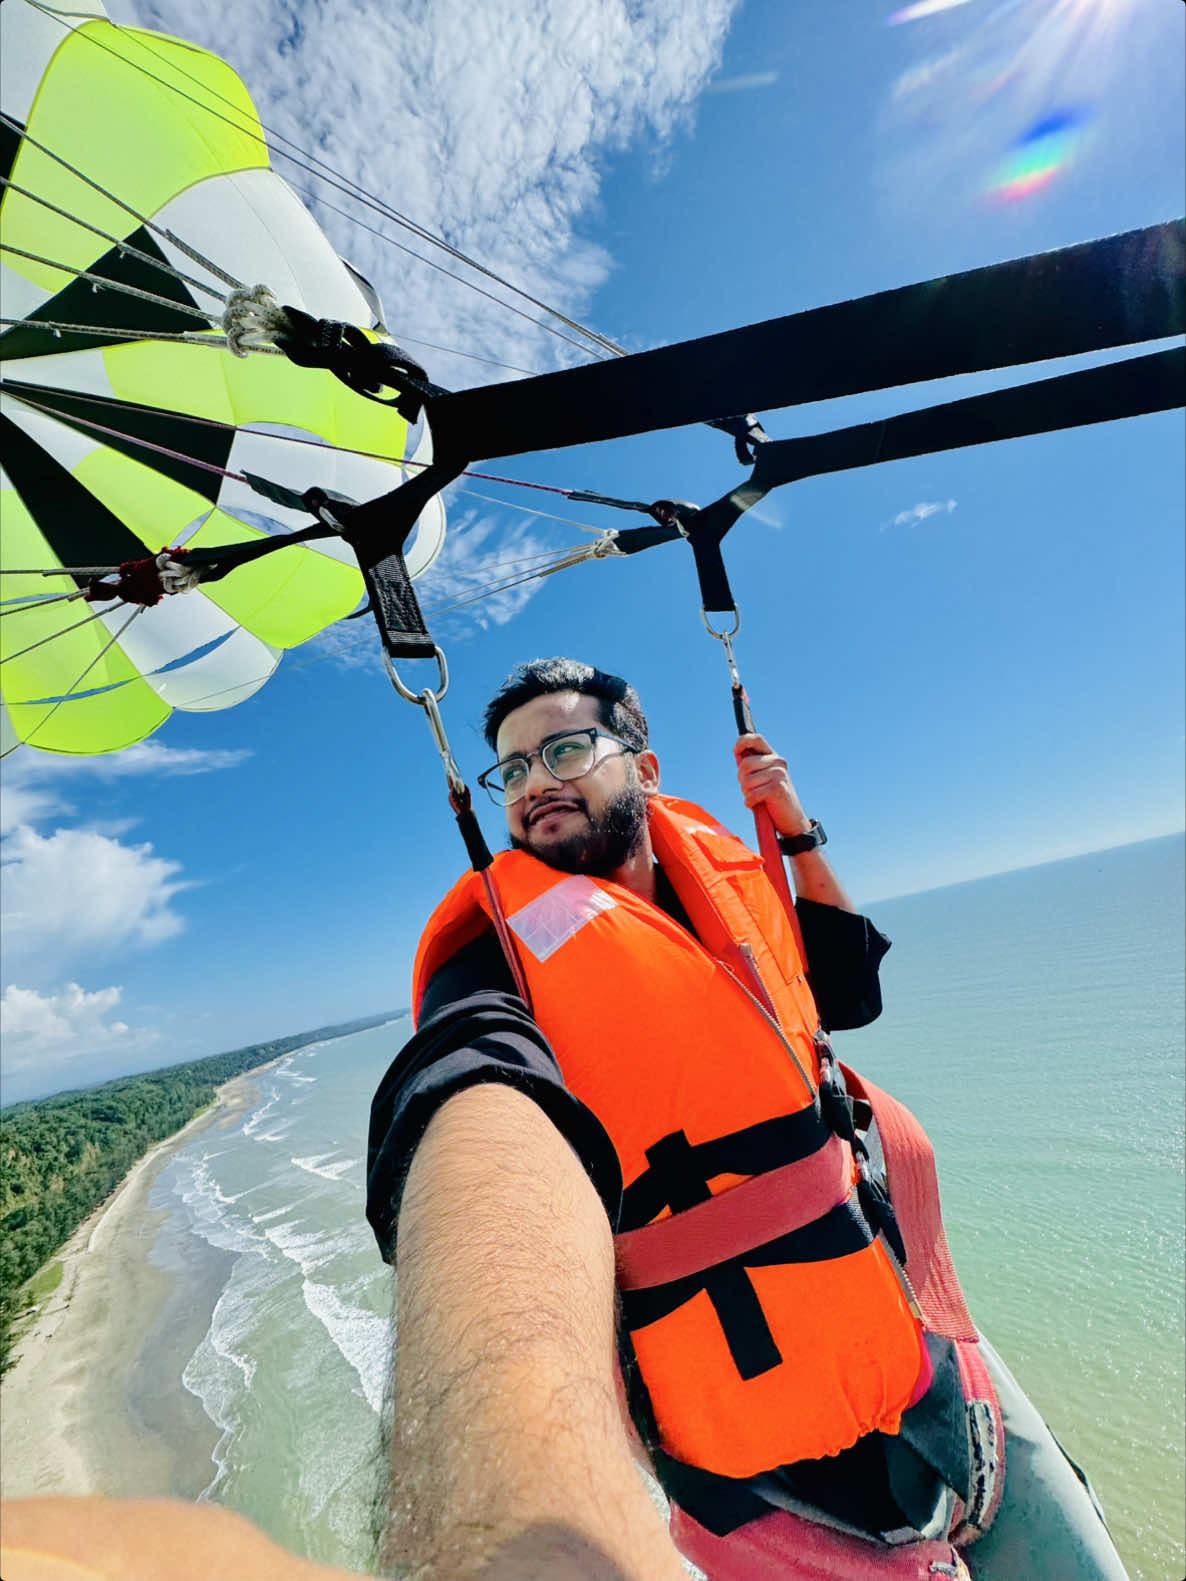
column 587, row 825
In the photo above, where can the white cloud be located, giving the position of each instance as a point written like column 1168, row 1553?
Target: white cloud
column 920, row 512
column 489, row 124
column 77, row 895
column 30, row 783
column 146, row 757
column 483, row 551
column 46, row 1030
column 23, row 802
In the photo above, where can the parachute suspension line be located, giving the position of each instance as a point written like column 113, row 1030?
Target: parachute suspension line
column 440, row 268
column 289, row 439
column 322, row 171
column 142, row 219
column 101, row 282
column 526, row 510
column 470, row 356
column 125, row 247
column 344, row 184
column 54, row 635
column 40, row 599
column 72, row 689
column 14, row 606
column 99, row 332
column 133, row 439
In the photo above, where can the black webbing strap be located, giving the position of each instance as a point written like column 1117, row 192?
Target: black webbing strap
column 748, row 436
column 470, row 830
column 365, row 365
column 1132, row 387
column 377, row 532
column 753, row 1150
column 1114, row 292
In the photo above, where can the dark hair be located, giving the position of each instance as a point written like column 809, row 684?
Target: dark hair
column 618, row 705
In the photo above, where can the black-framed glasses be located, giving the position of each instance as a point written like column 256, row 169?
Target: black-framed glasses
column 566, row 756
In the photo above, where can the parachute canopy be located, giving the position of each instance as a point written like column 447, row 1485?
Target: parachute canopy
column 137, row 193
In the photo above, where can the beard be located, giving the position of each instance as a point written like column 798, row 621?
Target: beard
column 603, row 845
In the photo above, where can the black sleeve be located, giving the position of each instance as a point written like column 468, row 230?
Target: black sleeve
column 473, row 1028
column 844, row 951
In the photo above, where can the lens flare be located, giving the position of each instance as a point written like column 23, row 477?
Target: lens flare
column 1037, row 156
column 912, row 13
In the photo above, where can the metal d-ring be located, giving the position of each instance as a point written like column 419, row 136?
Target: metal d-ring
column 418, row 697
column 428, row 700
column 722, row 636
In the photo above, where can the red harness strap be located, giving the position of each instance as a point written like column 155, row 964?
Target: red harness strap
column 786, row 1547
column 748, row 1215
column 914, row 1191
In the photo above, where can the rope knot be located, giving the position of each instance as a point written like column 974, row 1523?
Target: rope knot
column 146, row 582
column 252, row 320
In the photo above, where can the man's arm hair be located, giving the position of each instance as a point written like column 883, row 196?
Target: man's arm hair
column 509, row 1430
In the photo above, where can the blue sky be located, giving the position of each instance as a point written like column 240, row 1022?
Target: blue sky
column 973, row 661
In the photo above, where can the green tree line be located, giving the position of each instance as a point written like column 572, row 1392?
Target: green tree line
column 61, row 1157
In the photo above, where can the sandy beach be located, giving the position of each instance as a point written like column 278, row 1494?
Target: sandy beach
column 94, row 1403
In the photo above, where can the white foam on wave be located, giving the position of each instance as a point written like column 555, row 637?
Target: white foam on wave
column 258, row 1116
column 276, row 1213
column 309, row 1249
column 318, row 1164
column 361, row 1337
column 221, row 1371
column 277, row 1134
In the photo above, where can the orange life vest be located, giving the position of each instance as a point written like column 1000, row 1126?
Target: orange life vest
column 700, row 1059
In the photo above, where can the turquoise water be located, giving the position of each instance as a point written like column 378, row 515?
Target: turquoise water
column 1034, row 1022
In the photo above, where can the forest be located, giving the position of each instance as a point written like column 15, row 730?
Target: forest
column 62, row 1156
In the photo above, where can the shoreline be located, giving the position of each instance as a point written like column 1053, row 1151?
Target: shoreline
column 74, row 1421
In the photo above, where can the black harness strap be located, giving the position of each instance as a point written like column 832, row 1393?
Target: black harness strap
column 365, row 365
column 1131, row 387
column 377, row 532
column 678, row 1171
column 1114, row 292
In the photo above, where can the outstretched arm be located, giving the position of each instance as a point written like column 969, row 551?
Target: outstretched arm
column 510, row 1438
column 765, row 780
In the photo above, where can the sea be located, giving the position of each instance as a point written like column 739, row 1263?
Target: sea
column 1034, row 1022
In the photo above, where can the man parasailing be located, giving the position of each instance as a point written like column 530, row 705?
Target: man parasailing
column 632, row 1086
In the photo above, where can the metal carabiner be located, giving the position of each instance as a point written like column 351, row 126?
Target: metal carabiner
column 428, row 701
column 725, row 638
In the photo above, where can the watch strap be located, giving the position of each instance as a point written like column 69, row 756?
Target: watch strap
column 797, row 844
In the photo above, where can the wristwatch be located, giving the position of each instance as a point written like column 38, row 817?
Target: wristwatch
column 796, row 844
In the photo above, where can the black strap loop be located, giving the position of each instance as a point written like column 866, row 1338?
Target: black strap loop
column 365, row 365
column 748, row 436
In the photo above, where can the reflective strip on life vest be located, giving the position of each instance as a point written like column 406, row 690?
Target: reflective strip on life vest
column 559, row 914
column 739, row 1220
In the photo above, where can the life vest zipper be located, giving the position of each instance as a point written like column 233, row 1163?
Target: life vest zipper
column 745, row 951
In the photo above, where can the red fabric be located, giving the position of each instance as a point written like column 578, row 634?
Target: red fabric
column 978, row 1385
column 914, row 1191
column 756, row 1211
column 785, row 1547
